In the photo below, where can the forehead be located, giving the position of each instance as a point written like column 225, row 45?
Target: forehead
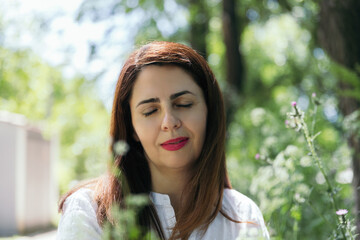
column 161, row 81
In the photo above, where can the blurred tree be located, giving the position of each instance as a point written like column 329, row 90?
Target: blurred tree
column 235, row 68
column 236, row 17
column 234, row 62
column 339, row 34
column 281, row 68
column 159, row 20
column 274, row 78
column 199, row 25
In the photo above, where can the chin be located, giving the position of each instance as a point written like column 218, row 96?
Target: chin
column 177, row 163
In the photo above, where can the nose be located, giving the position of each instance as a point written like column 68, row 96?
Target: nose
column 170, row 121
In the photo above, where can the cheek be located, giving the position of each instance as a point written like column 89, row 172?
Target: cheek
column 145, row 131
column 198, row 124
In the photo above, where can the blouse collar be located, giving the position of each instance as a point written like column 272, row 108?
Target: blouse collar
column 160, row 199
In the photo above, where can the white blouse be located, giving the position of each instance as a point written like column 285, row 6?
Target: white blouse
column 79, row 221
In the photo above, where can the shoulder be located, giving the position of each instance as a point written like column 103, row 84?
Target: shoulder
column 81, row 200
column 235, row 198
column 241, row 207
column 78, row 220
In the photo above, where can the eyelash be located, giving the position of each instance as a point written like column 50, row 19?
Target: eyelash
column 178, row 105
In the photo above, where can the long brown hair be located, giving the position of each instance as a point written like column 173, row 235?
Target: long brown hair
column 210, row 176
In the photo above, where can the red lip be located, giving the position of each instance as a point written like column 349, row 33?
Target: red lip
column 175, row 144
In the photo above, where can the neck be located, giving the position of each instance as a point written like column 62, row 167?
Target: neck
column 171, row 183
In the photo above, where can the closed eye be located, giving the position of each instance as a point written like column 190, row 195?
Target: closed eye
column 149, row 113
column 184, row 105
column 177, row 105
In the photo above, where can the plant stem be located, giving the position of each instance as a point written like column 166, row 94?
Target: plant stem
column 313, row 120
column 318, row 213
column 310, row 143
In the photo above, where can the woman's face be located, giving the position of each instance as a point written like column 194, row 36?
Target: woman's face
column 168, row 112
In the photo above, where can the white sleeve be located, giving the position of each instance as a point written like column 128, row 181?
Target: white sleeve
column 257, row 228
column 78, row 221
column 246, row 210
column 260, row 220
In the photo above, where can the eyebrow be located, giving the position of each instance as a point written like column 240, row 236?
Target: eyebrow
column 172, row 97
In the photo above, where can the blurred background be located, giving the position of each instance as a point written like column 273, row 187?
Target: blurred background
column 59, row 62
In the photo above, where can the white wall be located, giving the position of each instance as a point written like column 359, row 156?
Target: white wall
column 28, row 189
column 7, row 179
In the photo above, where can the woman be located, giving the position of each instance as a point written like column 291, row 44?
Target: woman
column 169, row 109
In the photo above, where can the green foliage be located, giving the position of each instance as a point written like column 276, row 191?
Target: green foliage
column 66, row 108
column 351, row 123
column 125, row 223
column 269, row 162
column 349, row 78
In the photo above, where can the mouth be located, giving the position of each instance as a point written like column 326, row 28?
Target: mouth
column 175, row 144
